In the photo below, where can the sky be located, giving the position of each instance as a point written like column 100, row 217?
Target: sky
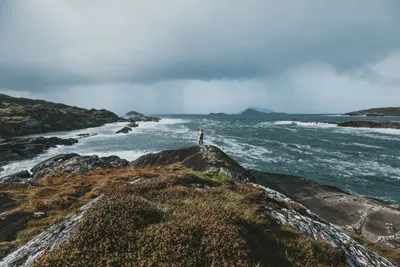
column 201, row 56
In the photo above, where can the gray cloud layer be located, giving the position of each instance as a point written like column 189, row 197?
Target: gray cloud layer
column 201, row 56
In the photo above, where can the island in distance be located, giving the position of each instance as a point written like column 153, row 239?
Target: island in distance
column 376, row 112
column 250, row 112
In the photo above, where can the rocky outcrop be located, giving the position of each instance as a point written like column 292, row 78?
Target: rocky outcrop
column 133, row 124
column 371, row 124
column 21, row 178
column 14, row 149
column 74, row 164
column 198, row 158
column 376, row 112
column 377, row 221
column 21, row 116
column 124, row 130
column 142, row 118
column 305, row 221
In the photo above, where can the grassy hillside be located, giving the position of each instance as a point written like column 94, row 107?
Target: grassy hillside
column 180, row 217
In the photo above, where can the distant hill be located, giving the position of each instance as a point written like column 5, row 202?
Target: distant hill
column 253, row 112
column 389, row 111
column 263, row 110
column 133, row 113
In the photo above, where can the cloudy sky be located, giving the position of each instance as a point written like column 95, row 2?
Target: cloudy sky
column 200, row 56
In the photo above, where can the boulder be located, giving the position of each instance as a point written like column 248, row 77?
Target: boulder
column 124, row 130
column 74, row 164
column 199, row 158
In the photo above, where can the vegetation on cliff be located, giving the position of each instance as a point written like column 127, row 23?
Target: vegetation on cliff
column 181, row 217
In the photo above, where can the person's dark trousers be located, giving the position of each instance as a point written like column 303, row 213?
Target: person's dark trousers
column 200, row 141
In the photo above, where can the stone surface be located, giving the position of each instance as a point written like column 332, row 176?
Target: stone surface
column 74, row 164
column 199, row 158
column 375, row 220
column 124, row 130
column 14, row 149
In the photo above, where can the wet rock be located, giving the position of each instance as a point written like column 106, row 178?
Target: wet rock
column 133, row 124
column 199, row 158
column 124, row 130
column 16, row 178
column 74, row 164
column 14, row 149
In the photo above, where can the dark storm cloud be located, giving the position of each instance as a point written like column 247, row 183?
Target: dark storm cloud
column 288, row 55
column 47, row 43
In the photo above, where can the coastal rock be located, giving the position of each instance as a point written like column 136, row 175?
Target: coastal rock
column 21, row 116
column 15, row 177
column 14, row 149
column 367, row 217
column 371, row 124
column 124, row 130
column 133, row 124
column 142, row 118
column 74, row 164
column 199, row 158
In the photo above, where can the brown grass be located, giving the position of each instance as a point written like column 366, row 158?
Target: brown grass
column 183, row 218
column 59, row 197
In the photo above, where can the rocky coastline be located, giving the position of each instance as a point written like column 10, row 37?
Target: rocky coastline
column 371, row 124
column 352, row 224
column 21, row 116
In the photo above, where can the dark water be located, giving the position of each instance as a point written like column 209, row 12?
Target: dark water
column 361, row 161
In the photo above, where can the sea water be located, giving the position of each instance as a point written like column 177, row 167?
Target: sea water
column 360, row 161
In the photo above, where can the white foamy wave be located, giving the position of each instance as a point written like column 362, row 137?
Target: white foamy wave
column 363, row 145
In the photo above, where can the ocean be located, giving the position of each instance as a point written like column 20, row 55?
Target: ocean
column 360, row 161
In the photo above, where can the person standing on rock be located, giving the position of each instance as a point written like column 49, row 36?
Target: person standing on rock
column 201, row 137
